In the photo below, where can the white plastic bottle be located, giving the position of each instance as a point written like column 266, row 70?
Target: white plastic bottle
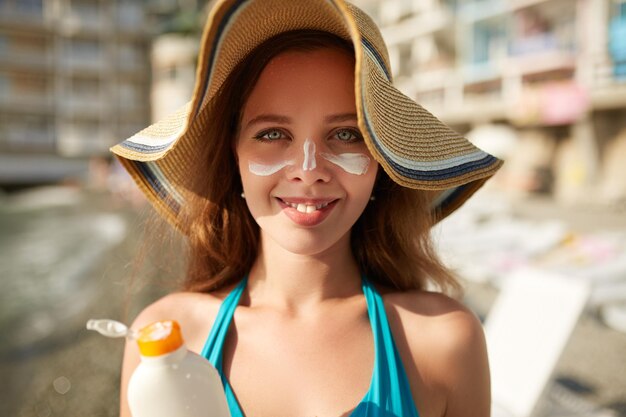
column 170, row 381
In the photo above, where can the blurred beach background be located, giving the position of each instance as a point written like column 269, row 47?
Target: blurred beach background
column 541, row 249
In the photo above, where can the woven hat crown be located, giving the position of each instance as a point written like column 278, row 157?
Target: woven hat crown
column 259, row 21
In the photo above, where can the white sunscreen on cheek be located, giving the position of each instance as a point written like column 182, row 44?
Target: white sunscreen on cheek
column 309, row 163
column 264, row 170
column 352, row 163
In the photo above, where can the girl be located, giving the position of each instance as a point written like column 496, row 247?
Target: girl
column 305, row 185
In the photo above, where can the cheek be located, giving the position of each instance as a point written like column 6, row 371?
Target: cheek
column 266, row 169
column 249, row 181
column 361, row 185
column 371, row 174
column 264, row 161
column 352, row 163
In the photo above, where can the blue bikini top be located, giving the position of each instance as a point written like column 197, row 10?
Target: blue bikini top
column 389, row 394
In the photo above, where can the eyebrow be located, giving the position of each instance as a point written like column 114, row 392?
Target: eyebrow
column 271, row 118
column 276, row 118
column 343, row 117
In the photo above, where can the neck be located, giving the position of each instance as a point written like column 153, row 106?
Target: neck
column 293, row 282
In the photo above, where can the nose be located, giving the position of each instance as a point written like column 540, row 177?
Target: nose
column 309, row 168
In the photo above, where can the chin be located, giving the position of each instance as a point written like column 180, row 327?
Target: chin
column 305, row 243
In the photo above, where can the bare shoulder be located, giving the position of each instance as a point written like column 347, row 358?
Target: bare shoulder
column 178, row 303
column 446, row 321
column 444, row 341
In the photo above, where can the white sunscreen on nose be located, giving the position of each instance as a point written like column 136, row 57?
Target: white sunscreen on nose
column 264, row 170
column 309, row 163
column 352, row 163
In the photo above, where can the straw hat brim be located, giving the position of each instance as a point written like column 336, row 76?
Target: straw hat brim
column 413, row 147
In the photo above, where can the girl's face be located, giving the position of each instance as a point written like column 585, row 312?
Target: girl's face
column 307, row 174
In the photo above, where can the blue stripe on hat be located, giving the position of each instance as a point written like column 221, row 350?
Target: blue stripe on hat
column 377, row 58
column 436, row 165
column 443, row 174
column 450, row 199
column 225, row 20
column 143, row 148
column 155, row 183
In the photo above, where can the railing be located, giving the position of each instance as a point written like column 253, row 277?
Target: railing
column 27, row 138
column 41, row 60
column 30, row 102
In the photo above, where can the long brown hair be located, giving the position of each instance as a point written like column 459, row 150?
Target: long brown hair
column 390, row 240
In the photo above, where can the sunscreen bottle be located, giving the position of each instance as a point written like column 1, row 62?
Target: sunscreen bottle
column 170, row 381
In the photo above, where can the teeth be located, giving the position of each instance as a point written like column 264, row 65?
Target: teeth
column 304, row 208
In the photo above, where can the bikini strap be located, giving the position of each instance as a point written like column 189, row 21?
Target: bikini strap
column 390, row 387
column 214, row 345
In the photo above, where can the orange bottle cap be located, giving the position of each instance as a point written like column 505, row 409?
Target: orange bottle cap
column 160, row 338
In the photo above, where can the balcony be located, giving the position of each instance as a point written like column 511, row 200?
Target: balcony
column 27, row 138
column 77, row 64
column 23, row 16
column 83, row 18
column 131, row 20
column 29, row 61
column 88, row 107
column 30, row 102
column 133, row 69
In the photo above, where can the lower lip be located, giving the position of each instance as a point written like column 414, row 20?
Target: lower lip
column 307, row 219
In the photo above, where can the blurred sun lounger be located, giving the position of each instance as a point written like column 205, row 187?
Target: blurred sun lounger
column 527, row 329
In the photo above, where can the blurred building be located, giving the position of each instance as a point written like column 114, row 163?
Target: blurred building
column 174, row 71
column 74, row 79
column 554, row 71
column 175, row 52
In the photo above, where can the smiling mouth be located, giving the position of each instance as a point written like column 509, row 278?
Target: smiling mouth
column 306, row 207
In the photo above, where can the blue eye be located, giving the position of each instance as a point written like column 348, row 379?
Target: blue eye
column 270, row 135
column 348, row 135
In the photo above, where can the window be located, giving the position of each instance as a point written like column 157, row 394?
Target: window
column 130, row 56
column 30, row 6
column 130, row 52
column 30, row 86
column 29, row 45
column 4, row 43
column 5, row 86
column 130, row 95
column 129, row 14
column 489, row 41
column 87, row 11
column 29, row 133
column 84, row 51
column 86, row 88
column 618, row 8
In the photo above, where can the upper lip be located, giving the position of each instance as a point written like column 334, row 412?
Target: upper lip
column 306, row 200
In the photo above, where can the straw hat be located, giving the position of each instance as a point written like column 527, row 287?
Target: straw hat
column 413, row 147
